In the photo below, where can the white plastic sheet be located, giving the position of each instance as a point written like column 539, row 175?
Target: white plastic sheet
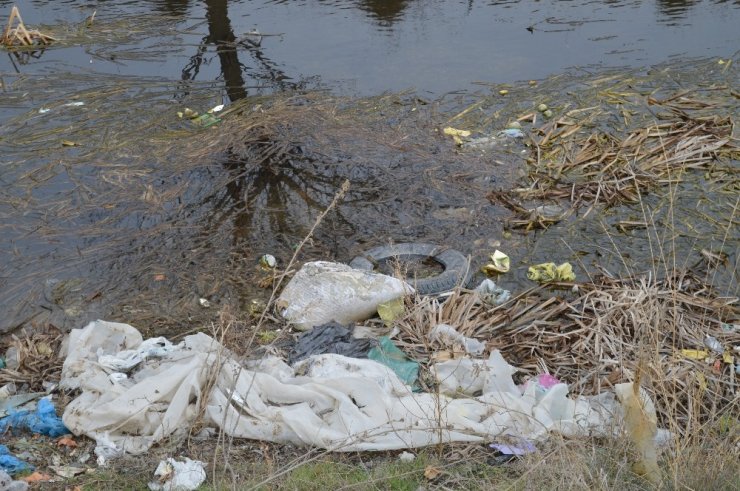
column 328, row 401
column 172, row 475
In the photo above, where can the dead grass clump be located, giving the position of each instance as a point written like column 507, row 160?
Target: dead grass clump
column 599, row 167
column 603, row 465
column 17, row 35
column 606, row 334
column 37, row 359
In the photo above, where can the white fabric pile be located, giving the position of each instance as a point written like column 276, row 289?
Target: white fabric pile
column 134, row 393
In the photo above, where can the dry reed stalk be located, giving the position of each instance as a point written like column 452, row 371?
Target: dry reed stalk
column 20, row 35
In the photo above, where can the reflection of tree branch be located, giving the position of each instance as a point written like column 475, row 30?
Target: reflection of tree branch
column 274, row 74
column 192, row 69
column 221, row 35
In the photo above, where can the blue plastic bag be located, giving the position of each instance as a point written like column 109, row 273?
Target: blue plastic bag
column 43, row 421
column 11, row 464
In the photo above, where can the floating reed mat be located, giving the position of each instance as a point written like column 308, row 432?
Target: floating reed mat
column 575, row 161
column 17, row 35
column 607, row 333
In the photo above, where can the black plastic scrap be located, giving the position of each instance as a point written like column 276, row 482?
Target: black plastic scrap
column 331, row 337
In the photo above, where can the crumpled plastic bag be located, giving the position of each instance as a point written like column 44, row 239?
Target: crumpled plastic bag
column 8, row 484
column 456, row 134
column 446, row 334
column 641, row 423
column 492, row 294
column 547, row 272
column 43, row 420
column 323, row 291
column 172, row 475
column 11, row 464
column 500, row 263
column 389, row 355
column 329, row 338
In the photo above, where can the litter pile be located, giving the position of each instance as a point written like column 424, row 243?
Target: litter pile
column 604, row 335
column 349, row 389
column 135, row 397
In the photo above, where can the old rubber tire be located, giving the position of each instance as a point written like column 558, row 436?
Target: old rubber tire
column 456, row 271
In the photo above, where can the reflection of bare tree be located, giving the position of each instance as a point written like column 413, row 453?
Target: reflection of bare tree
column 675, row 9
column 177, row 8
column 276, row 198
column 221, row 35
column 386, row 11
column 267, row 191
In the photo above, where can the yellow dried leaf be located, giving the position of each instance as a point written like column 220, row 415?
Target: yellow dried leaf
column 431, row 473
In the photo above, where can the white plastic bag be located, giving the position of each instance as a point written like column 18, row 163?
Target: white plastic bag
column 323, row 291
column 172, row 475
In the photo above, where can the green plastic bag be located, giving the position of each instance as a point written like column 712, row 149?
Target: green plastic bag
column 389, row 355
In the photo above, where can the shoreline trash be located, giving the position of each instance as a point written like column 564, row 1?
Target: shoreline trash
column 9, row 403
column 391, row 310
column 8, row 484
column 205, row 120
column 457, row 135
column 500, row 263
column 446, row 334
column 713, row 344
column 511, row 133
column 406, row 457
column 323, row 291
column 328, row 401
column 521, row 448
column 491, row 293
column 43, row 420
column 641, row 424
column 455, row 264
column 268, row 261
column 11, row 464
column 547, row 272
column 172, row 475
column 329, row 338
column 391, row 356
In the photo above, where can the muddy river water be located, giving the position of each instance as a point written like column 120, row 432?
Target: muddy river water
column 110, row 207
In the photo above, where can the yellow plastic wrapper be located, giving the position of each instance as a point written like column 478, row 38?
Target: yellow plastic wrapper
column 695, row 354
column 456, row 134
column 547, row 272
column 500, row 263
column 390, row 311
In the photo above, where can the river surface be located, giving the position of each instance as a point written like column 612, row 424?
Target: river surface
column 97, row 221
column 367, row 47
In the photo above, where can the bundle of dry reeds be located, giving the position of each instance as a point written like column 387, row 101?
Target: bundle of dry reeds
column 602, row 336
column 17, row 35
